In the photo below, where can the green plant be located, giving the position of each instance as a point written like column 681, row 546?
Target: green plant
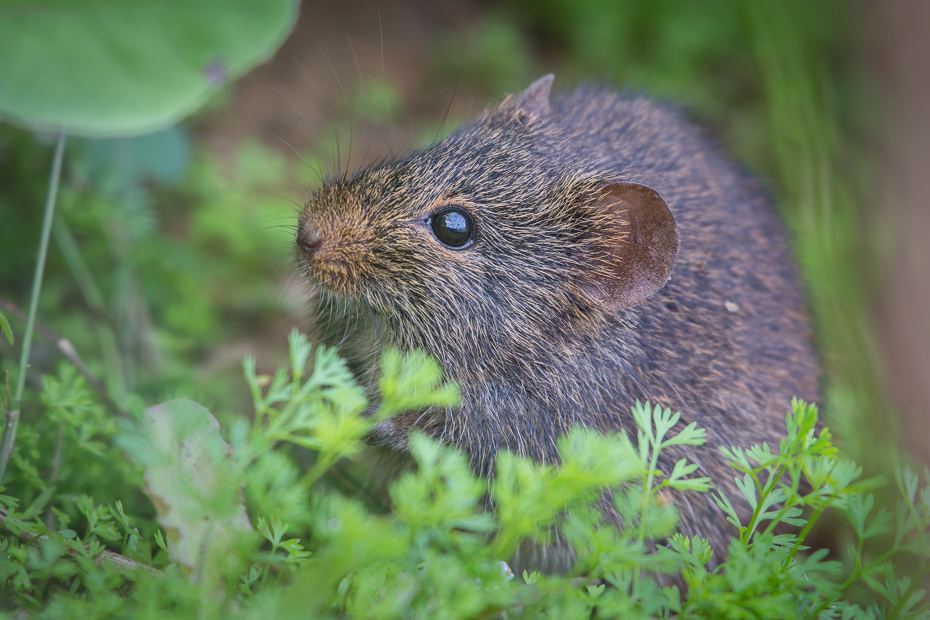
column 194, row 257
column 246, row 528
column 102, row 72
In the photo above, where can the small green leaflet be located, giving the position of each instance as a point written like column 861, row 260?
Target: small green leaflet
column 5, row 326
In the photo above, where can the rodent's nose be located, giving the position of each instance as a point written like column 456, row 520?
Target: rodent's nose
column 309, row 239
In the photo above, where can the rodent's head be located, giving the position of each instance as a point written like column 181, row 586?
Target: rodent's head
column 490, row 244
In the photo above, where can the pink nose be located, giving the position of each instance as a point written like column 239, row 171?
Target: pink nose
column 309, row 240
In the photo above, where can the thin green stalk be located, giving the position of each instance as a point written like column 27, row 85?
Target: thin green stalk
column 917, row 523
column 788, row 505
column 274, row 549
column 12, row 418
column 856, row 574
column 316, row 472
column 95, row 299
column 802, row 536
column 78, row 266
column 647, row 487
column 757, row 512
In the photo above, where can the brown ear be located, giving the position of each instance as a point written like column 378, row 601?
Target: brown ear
column 633, row 249
column 534, row 101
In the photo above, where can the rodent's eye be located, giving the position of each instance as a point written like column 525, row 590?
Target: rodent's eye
column 453, row 227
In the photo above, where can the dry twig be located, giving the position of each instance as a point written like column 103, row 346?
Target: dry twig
column 100, row 559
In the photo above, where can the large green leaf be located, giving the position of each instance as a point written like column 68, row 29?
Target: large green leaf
column 127, row 67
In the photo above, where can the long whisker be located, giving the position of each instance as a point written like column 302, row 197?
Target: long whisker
column 304, row 161
column 361, row 84
column 348, row 111
column 455, row 89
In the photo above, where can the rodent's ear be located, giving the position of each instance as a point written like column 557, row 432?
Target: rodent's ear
column 634, row 249
column 534, row 101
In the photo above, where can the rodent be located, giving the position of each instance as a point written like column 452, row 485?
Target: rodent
column 563, row 256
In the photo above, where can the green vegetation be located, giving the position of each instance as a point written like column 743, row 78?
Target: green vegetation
column 165, row 265
column 251, row 533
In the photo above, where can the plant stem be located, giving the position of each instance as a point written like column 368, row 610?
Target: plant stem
column 12, row 418
column 53, row 476
column 647, row 488
column 757, row 512
column 800, row 539
column 856, row 574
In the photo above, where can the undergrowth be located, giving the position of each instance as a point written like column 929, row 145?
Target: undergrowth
column 248, row 522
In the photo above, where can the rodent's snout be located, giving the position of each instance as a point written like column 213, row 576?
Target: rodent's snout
column 332, row 252
column 309, row 239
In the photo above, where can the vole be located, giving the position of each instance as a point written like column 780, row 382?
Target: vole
column 563, row 257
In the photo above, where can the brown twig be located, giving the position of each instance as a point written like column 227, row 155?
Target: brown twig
column 65, row 347
column 100, row 559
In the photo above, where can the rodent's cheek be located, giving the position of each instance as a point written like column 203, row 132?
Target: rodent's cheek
column 389, row 433
column 394, row 432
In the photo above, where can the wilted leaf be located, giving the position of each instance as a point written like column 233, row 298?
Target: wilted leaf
column 187, row 476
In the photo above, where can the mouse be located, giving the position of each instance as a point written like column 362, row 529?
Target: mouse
column 563, row 256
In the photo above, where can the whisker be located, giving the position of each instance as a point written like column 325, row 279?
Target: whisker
column 348, row 110
column 295, row 180
column 301, row 157
column 324, row 102
column 455, row 89
column 309, row 125
column 380, row 345
column 361, row 85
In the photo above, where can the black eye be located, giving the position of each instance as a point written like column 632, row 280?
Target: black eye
column 453, row 227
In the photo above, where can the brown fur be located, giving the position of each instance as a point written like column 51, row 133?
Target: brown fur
column 557, row 315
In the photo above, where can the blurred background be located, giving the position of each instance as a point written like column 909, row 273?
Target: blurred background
column 171, row 255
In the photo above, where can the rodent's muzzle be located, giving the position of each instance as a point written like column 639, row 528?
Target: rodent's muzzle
column 309, row 240
column 334, row 254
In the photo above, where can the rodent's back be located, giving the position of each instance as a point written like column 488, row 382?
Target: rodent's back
column 535, row 319
column 728, row 336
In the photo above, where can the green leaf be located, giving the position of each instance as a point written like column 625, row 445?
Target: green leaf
column 642, row 414
column 119, row 514
column 664, row 421
column 691, row 484
column 5, row 328
column 443, row 494
column 907, row 483
column 747, row 487
column 531, row 578
column 295, row 551
column 130, row 67
column 595, row 591
column 689, row 436
column 412, row 381
column 695, row 549
column 724, row 503
column 299, row 349
column 38, row 504
column 160, row 541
